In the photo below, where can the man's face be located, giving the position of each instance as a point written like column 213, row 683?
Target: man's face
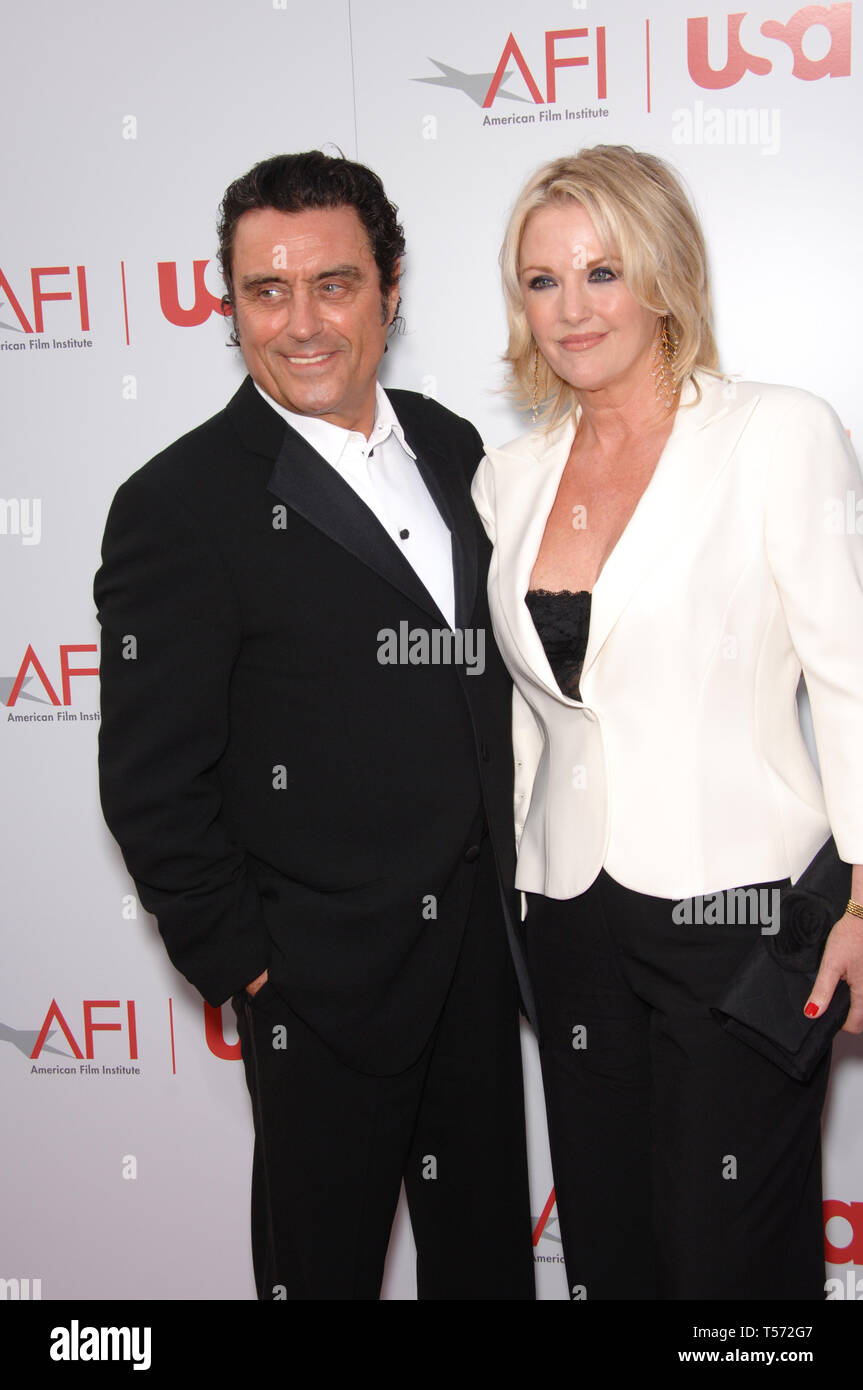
column 309, row 311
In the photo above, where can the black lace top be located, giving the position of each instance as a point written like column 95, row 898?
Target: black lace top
column 562, row 620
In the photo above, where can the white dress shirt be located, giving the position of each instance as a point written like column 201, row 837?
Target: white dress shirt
column 383, row 472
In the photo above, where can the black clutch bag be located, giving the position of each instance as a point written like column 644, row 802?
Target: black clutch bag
column 763, row 1004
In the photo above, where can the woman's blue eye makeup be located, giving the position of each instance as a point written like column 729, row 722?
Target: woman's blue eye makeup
column 599, row 275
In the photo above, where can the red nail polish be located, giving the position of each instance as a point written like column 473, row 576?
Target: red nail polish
column 811, row 1010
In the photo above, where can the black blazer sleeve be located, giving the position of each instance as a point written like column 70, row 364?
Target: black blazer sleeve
column 170, row 635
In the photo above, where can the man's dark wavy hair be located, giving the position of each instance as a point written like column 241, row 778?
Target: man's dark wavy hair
column 297, row 182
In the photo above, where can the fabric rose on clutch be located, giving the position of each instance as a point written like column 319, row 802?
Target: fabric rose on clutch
column 806, row 920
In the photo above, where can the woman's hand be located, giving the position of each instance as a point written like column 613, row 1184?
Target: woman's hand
column 842, row 960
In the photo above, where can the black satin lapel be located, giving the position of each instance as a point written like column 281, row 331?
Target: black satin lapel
column 450, row 494
column 259, row 426
column 306, row 483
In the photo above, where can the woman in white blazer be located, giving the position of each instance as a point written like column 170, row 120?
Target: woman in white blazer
column 669, row 553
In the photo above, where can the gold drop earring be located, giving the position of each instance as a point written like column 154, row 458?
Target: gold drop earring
column 663, row 371
column 534, row 392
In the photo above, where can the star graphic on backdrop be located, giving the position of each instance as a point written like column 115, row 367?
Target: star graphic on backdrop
column 25, row 1039
column 13, row 328
column 547, row 1233
column 473, row 84
column 6, row 685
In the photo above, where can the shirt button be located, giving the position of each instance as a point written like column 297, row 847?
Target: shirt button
column 471, row 854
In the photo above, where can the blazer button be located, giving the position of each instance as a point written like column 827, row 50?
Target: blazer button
column 471, row 854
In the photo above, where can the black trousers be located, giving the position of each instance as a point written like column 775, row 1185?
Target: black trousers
column 332, row 1145
column 686, row 1166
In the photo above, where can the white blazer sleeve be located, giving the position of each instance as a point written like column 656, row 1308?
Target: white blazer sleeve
column 482, row 491
column 816, row 557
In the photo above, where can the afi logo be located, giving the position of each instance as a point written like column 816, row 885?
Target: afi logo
column 91, row 1026
column 41, row 296
column 479, row 89
column 204, row 303
column 67, row 671
column 836, row 62
column 553, row 61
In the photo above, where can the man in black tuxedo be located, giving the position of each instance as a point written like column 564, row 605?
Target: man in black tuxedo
column 305, row 757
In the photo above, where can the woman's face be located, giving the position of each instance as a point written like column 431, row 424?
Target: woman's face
column 587, row 325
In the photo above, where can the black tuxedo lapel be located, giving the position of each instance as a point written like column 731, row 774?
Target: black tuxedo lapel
column 448, row 502
column 307, row 483
column 448, row 487
column 260, row 428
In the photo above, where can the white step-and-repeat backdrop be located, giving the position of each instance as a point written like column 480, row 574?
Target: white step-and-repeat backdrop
column 127, row 1153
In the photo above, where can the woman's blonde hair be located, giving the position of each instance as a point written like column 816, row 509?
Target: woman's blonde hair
column 641, row 213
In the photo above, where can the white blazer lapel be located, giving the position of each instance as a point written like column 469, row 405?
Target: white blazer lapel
column 527, row 476
column 526, row 483
column 684, row 475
